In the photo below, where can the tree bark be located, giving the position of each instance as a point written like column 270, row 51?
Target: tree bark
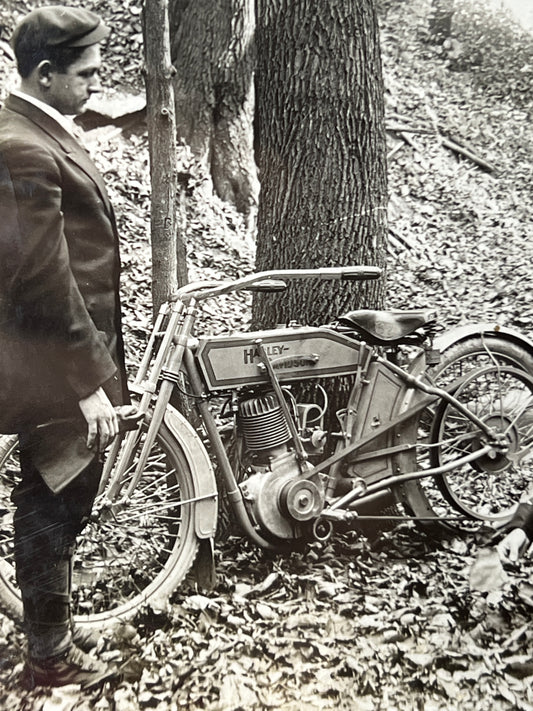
column 169, row 265
column 212, row 50
column 321, row 152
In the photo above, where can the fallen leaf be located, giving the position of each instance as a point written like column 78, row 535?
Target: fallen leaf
column 487, row 573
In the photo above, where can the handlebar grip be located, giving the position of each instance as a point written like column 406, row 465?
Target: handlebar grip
column 349, row 273
column 353, row 273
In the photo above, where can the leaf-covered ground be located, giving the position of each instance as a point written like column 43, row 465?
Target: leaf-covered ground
column 471, row 229
column 404, row 622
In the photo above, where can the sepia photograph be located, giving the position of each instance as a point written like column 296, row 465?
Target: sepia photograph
column 266, row 355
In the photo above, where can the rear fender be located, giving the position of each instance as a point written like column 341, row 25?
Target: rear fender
column 203, row 476
column 455, row 336
column 462, row 333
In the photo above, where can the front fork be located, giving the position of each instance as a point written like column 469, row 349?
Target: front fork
column 233, row 491
column 166, row 367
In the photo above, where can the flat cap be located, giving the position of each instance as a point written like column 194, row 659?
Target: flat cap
column 60, row 26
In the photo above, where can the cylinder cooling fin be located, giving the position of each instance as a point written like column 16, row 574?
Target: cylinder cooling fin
column 262, row 423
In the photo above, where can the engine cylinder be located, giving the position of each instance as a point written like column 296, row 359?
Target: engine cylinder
column 262, row 423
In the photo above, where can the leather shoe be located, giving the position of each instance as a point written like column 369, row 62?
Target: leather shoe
column 85, row 638
column 72, row 667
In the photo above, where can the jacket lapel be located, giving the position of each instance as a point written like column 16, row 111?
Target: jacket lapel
column 79, row 155
column 66, row 141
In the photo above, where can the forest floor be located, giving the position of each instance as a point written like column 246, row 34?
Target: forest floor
column 395, row 623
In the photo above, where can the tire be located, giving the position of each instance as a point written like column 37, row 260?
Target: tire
column 133, row 552
column 440, row 496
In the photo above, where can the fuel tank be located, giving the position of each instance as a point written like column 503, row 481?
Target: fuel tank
column 295, row 353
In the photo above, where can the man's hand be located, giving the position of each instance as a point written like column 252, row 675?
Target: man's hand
column 101, row 419
column 513, row 545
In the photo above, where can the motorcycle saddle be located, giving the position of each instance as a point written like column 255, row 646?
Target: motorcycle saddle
column 387, row 327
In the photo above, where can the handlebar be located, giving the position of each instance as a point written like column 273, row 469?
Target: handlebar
column 272, row 281
column 268, row 285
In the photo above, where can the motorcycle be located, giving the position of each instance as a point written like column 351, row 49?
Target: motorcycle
column 439, row 424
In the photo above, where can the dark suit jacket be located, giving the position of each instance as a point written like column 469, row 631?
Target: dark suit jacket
column 59, row 271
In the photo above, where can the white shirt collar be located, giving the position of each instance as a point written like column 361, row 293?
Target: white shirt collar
column 64, row 121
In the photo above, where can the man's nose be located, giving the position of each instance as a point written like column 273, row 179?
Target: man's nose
column 95, row 85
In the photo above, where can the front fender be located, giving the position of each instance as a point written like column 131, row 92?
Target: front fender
column 203, row 476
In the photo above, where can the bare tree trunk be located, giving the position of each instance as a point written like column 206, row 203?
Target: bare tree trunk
column 320, row 150
column 212, row 50
column 169, row 265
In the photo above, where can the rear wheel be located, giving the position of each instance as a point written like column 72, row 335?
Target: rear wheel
column 134, row 551
column 466, row 498
column 487, row 489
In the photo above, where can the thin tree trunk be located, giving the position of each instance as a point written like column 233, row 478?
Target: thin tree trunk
column 169, row 265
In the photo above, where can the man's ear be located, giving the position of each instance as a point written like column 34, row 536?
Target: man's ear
column 44, row 72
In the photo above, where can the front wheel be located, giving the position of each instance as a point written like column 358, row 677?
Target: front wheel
column 134, row 551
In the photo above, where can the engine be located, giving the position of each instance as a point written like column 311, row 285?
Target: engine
column 279, row 497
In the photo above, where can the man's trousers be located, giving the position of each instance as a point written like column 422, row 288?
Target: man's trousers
column 46, row 526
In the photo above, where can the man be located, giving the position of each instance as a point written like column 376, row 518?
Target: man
column 61, row 346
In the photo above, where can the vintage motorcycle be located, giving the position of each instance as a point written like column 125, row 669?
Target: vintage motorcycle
column 440, row 424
